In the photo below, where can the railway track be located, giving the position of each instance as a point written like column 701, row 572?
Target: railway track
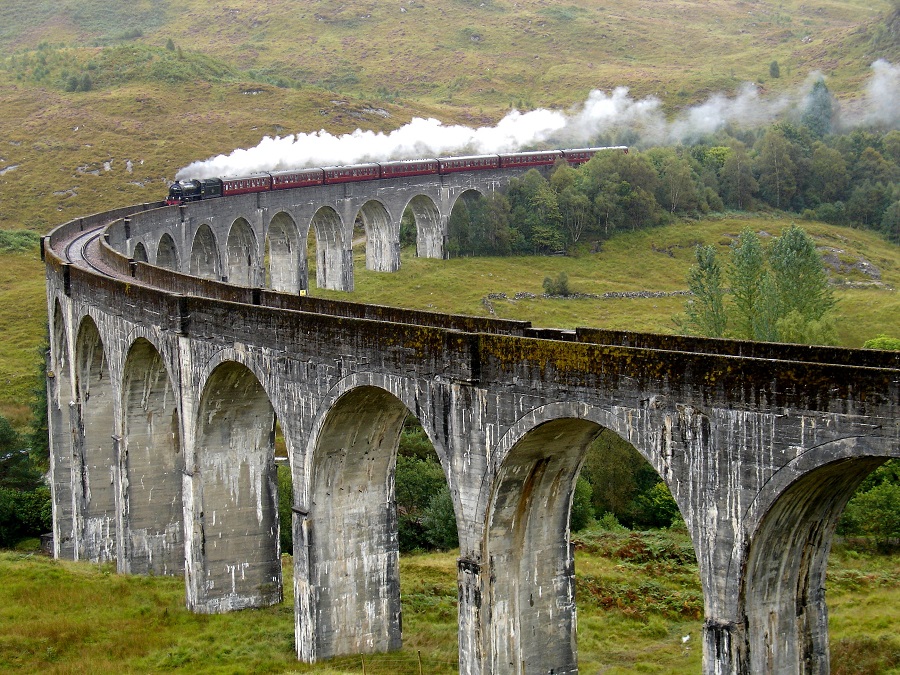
column 83, row 251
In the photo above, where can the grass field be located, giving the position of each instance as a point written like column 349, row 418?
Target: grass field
column 647, row 260
column 633, row 616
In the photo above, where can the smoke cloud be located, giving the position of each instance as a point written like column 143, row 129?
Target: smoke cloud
column 615, row 116
column 883, row 95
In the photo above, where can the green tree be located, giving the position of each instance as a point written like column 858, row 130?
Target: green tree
column 829, row 177
column 774, row 70
column 17, row 471
column 535, row 213
column 496, row 234
column 285, row 511
column 876, row 513
column 890, row 222
column 747, row 274
column 459, row 239
column 416, row 482
column 582, row 513
column 678, row 191
column 775, row 168
column 706, row 309
column 868, row 203
column 39, row 435
column 882, row 342
column 439, row 520
column 658, row 507
column 819, row 110
column 800, row 284
column 618, row 476
column 557, row 286
column 873, row 167
column 736, row 178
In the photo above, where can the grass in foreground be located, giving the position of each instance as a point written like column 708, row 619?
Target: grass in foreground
column 638, row 598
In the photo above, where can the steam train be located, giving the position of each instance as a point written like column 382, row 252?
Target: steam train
column 210, row 188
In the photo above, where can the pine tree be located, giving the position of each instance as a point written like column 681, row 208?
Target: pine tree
column 819, row 110
column 706, row 309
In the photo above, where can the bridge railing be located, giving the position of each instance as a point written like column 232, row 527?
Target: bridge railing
column 186, row 284
column 872, row 358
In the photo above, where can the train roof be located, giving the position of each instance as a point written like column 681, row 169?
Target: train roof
column 607, row 147
column 466, row 157
column 367, row 165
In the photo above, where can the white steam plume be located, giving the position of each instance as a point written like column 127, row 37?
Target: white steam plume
column 883, row 95
column 601, row 114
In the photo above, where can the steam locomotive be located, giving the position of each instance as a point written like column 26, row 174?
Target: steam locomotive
column 210, row 188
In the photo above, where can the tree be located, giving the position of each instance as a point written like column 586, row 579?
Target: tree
column 782, row 295
column 439, row 520
column 17, row 471
column 829, row 176
column 819, row 110
column 535, row 213
column 876, row 513
column 882, row 342
column 736, row 178
column 577, row 214
column 678, row 192
column 459, row 229
column 800, row 284
column 582, row 513
column 872, row 166
column 868, row 203
column 775, row 168
column 416, row 482
column 890, row 222
column 747, row 277
column 774, row 70
column 39, row 434
column 706, row 308
column 558, row 286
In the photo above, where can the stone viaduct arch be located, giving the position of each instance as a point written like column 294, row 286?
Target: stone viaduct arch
column 759, row 444
column 204, row 241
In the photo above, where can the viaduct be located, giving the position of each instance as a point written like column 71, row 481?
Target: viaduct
column 178, row 336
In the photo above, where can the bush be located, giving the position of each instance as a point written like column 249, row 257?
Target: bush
column 582, row 514
column 439, row 521
column 558, row 286
column 24, row 514
column 417, row 483
column 285, row 514
column 19, row 241
column 882, row 342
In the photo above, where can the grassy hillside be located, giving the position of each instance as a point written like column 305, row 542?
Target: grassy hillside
column 648, row 260
column 638, row 597
column 483, row 54
column 242, row 70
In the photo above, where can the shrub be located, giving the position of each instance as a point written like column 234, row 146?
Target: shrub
column 882, row 342
column 558, row 286
column 24, row 514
